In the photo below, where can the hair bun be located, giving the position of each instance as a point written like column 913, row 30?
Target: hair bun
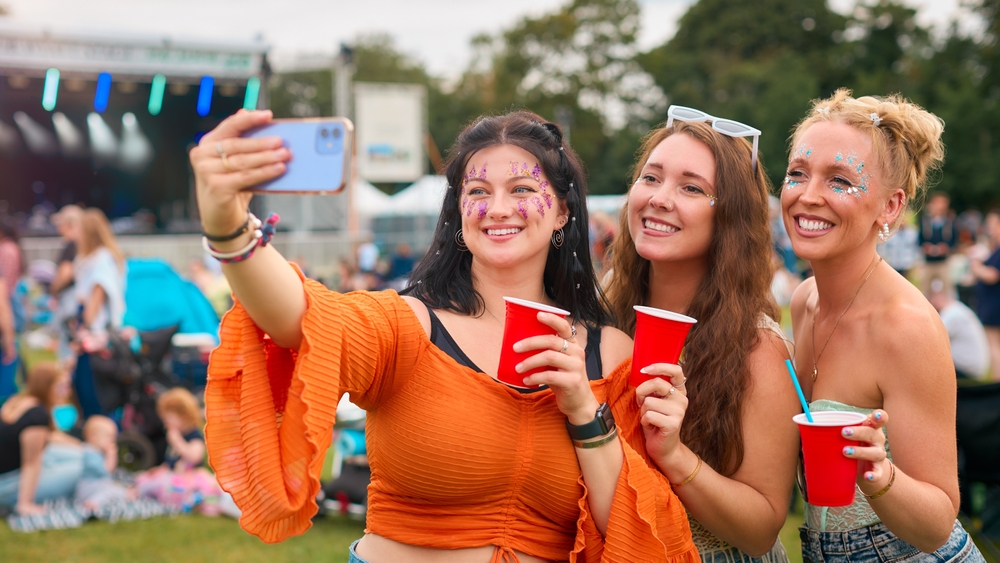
column 554, row 129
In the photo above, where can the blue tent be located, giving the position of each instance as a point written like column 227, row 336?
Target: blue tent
column 156, row 296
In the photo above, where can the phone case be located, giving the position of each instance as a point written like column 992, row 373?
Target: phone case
column 322, row 151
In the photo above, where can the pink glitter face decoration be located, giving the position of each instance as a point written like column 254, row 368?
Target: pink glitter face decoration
column 482, row 209
column 522, row 208
column 539, row 205
column 471, row 175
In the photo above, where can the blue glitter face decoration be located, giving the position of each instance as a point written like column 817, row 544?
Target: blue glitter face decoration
column 852, row 160
column 789, row 183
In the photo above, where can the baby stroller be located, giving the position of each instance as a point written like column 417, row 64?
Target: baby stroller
column 348, row 491
column 162, row 310
column 128, row 377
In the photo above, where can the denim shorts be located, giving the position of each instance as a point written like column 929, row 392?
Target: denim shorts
column 355, row 558
column 734, row 555
column 877, row 544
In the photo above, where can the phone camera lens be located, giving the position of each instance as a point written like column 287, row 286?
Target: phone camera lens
column 335, row 133
column 323, row 133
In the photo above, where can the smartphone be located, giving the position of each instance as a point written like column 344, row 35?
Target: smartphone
column 322, row 151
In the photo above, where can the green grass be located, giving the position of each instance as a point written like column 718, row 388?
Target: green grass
column 189, row 539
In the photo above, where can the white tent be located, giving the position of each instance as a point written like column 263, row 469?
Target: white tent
column 423, row 197
column 369, row 200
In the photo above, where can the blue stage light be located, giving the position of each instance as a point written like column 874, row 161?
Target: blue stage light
column 103, row 91
column 205, row 95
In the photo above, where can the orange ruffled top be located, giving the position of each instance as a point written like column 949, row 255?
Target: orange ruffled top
column 458, row 459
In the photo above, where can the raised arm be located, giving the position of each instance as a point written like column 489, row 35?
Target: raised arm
column 265, row 284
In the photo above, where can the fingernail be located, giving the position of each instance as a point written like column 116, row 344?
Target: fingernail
column 848, row 451
column 517, row 368
column 526, row 382
column 644, row 370
column 848, row 432
column 870, row 476
column 517, row 347
column 878, row 415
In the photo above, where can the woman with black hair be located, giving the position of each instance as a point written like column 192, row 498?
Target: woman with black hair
column 464, row 467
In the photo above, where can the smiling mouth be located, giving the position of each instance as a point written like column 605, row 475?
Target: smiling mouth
column 813, row 225
column 660, row 227
column 502, row 232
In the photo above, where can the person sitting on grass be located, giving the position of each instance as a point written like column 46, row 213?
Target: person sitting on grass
column 100, row 458
column 182, row 481
column 37, row 463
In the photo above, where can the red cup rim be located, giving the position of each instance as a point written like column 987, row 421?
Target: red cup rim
column 537, row 306
column 664, row 314
column 837, row 418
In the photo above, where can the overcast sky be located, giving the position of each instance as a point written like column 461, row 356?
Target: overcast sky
column 434, row 31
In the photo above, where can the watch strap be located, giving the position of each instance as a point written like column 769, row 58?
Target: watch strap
column 603, row 423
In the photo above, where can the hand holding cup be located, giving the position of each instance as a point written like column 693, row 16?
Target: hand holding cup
column 559, row 362
column 873, row 462
column 662, row 404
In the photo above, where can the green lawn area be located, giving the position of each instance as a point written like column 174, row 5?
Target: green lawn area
column 197, row 539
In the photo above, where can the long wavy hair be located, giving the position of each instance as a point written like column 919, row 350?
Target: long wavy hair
column 728, row 303
column 443, row 279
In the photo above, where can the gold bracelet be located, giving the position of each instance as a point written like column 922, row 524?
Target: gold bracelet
column 597, row 442
column 697, row 468
column 892, row 479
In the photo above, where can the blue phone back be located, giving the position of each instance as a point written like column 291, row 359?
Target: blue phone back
column 321, row 154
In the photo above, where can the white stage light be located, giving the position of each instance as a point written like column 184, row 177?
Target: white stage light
column 136, row 150
column 103, row 144
column 39, row 139
column 10, row 141
column 70, row 138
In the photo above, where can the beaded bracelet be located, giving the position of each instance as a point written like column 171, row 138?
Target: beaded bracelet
column 690, row 477
column 892, row 479
column 262, row 235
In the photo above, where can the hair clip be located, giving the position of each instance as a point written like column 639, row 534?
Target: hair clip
column 571, row 184
column 825, row 110
column 875, row 118
column 560, row 148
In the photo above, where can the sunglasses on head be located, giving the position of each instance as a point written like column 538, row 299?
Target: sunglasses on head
column 724, row 126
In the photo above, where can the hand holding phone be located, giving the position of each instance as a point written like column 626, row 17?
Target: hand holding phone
column 227, row 166
column 322, row 150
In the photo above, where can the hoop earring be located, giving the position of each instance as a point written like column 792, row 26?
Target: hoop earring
column 558, row 238
column 882, row 232
column 885, row 227
column 460, row 241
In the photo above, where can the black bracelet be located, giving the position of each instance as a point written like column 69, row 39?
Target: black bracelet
column 231, row 236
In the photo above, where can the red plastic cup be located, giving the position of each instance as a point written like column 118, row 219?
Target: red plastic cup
column 659, row 338
column 522, row 322
column 830, row 476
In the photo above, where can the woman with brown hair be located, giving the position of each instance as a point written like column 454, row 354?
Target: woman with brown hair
column 32, row 469
column 870, row 342
column 99, row 284
column 694, row 239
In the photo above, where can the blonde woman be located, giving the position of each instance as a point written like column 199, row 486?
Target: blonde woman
column 867, row 339
column 99, row 286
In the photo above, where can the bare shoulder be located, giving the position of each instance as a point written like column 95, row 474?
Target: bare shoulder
column 420, row 310
column 906, row 321
column 800, row 296
column 616, row 347
column 767, row 361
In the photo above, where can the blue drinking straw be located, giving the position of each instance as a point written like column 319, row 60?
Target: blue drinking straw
column 798, row 389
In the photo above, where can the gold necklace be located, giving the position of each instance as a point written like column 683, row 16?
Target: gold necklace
column 816, row 357
column 491, row 313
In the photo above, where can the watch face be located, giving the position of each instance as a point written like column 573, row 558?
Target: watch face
column 606, row 417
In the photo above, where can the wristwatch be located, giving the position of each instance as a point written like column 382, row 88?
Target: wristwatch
column 603, row 424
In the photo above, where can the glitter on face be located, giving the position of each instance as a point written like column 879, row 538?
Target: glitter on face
column 539, row 205
column 522, row 208
column 803, row 151
column 853, row 160
column 789, row 184
column 482, row 209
